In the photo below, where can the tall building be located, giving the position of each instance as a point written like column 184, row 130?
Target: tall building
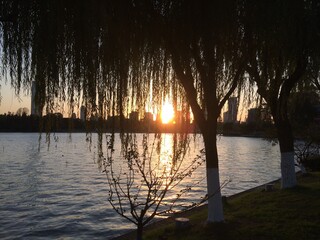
column 231, row 115
column 254, row 115
column 148, row 117
column 258, row 115
column 226, row 117
column 83, row 113
column 134, row 116
column 233, row 108
column 34, row 107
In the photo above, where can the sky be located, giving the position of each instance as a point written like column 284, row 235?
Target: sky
column 10, row 102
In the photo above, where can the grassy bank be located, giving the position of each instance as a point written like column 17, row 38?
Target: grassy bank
column 278, row 214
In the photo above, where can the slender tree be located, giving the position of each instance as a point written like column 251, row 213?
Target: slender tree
column 140, row 184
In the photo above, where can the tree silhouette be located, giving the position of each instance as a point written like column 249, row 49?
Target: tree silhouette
column 206, row 56
column 140, row 184
column 110, row 55
column 22, row 111
column 281, row 43
column 118, row 56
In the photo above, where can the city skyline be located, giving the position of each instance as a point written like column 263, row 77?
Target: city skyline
column 11, row 103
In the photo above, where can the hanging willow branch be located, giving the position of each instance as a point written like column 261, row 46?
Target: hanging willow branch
column 111, row 55
column 85, row 53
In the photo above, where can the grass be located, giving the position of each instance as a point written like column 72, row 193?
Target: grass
column 279, row 214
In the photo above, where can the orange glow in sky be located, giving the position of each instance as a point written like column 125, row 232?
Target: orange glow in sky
column 167, row 113
column 10, row 102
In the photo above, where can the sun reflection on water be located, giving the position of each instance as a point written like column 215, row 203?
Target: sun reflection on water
column 166, row 154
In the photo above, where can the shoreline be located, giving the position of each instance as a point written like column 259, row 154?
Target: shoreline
column 171, row 220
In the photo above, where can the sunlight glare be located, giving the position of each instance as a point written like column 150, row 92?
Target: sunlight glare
column 167, row 113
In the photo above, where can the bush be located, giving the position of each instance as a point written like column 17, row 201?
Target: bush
column 312, row 163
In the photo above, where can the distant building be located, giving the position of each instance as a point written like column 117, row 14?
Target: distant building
column 114, row 121
column 83, row 113
column 148, row 117
column 230, row 116
column 34, row 107
column 256, row 115
column 134, row 116
column 226, row 117
column 233, row 109
column 253, row 115
column 94, row 117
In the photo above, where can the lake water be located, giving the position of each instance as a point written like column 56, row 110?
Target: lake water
column 60, row 192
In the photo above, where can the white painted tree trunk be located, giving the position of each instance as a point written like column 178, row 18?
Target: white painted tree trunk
column 288, row 174
column 215, row 209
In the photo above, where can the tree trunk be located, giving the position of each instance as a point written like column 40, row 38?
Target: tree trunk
column 139, row 231
column 287, row 164
column 215, row 209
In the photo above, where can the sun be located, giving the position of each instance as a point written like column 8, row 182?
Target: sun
column 167, row 113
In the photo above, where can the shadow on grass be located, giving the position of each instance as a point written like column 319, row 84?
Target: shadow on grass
column 257, row 214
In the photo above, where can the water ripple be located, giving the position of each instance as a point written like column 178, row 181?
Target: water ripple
column 61, row 194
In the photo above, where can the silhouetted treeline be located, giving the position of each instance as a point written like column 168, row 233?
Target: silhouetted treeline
column 49, row 123
column 56, row 123
column 254, row 129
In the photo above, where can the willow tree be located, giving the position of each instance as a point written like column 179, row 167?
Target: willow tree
column 314, row 74
column 205, row 50
column 80, row 52
column 110, row 55
column 281, row 41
